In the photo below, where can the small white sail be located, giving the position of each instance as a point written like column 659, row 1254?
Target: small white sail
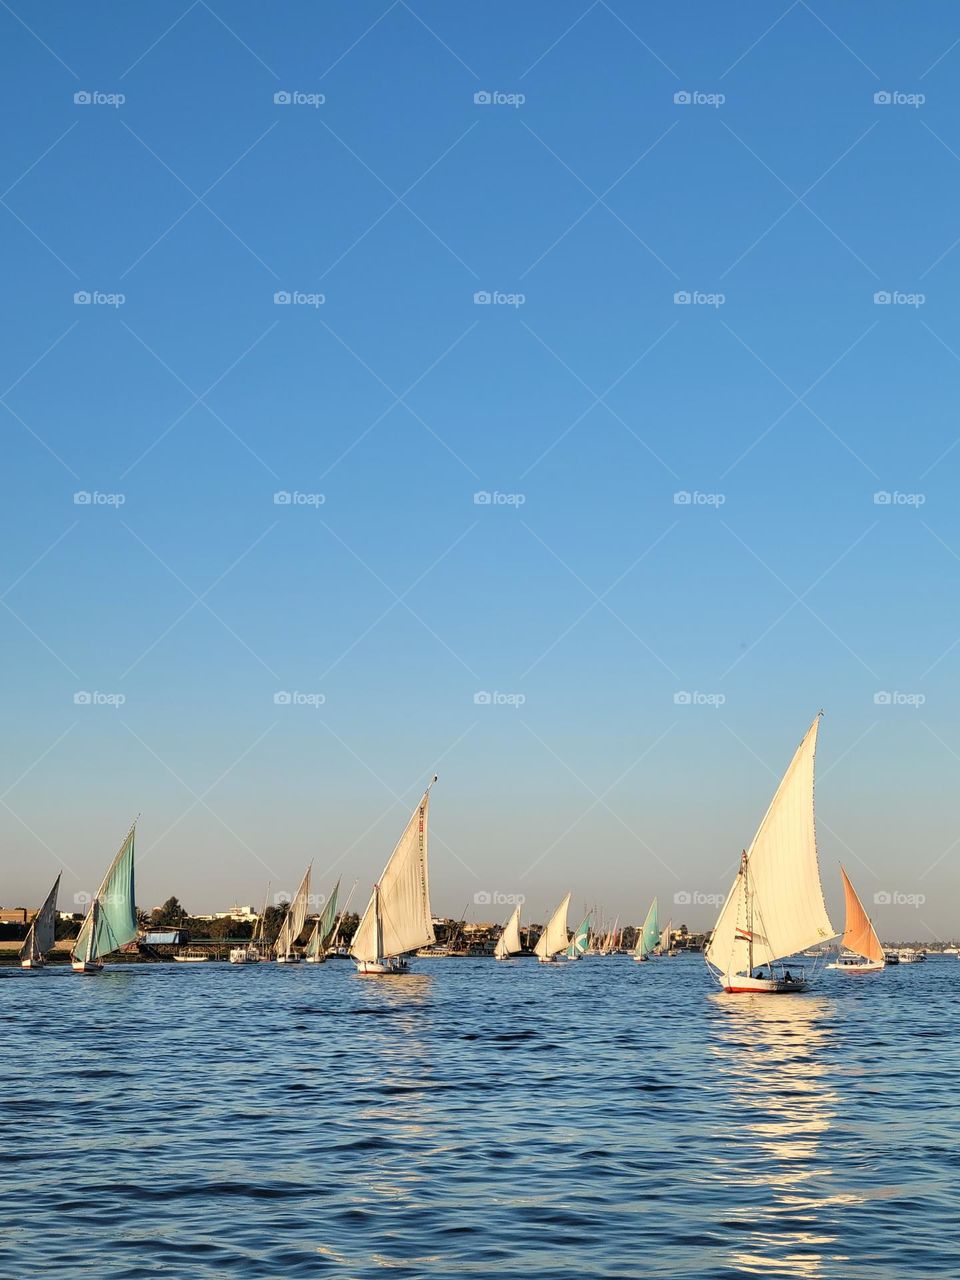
column 554, row 937
column 293, row 921
column 508, row 944
column 859, row 935
column 43, row 927
column 398, row 917
column 785, row 912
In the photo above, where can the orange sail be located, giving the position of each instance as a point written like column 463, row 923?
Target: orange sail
column 859, row 935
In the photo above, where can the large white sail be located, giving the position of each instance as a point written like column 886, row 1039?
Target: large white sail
column 776, row 902
column 293, row 921
column 554, row 937
column 405, row 921
column 508, row 944
column 859, row 935
column 40, row 938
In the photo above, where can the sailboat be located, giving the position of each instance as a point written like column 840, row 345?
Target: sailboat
column 553, row 940
column 663, row 944
column 863, row 950
column 398, row 919
column 293, row 923
column 775, row 907
column 649, row 935
column 252, row 952
column 509, row 944
column 111, row 921
column 580, row 940
column 39, row 940
column 323, row 929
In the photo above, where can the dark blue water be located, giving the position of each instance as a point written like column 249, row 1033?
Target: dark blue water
column 603, row 1118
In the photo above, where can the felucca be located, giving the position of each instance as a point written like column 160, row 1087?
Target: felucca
column 323, row 929
column 252, row 951
column 649, row 935
column 580, row 940
column 111, row 921
column 663, row 945
column 775, row 908
column 509, row 944
column 553, row 940
column 398, row 919
column 863, row 950
column 39, row 940
column 293, row 923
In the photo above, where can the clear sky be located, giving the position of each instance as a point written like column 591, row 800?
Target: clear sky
column 582, row 196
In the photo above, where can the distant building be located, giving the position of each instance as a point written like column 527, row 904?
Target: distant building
column 236, row 912
column 15, row 915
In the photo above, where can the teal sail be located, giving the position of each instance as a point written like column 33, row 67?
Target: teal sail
column 112, row 920
column 650, row 934
column 581, row 939
column 326, row 923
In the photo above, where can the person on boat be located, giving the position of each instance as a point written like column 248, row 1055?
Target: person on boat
column 759, row 974
column 788, row 977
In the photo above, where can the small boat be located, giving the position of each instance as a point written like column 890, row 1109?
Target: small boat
column 553, row 940
column 398, row 918
column 39, row 940
column 909, row 955
column 648, row 936
column 862, row 949
column 775, row 907
column 509, row 944
column 191, row 957
column 252, row 951
column 323, row 930
column 580, row 940
column 891, row 957
column 293, row 923
column 111, row 922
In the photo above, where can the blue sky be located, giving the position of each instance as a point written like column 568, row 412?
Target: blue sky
column 783, row 197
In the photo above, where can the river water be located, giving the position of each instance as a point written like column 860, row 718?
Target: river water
column 600, row 1119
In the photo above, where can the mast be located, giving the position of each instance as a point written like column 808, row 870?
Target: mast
column 378, row 921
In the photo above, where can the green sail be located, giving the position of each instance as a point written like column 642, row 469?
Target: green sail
column 326, row 923
column 650, row 935
column 581, row 939
column 112, row 920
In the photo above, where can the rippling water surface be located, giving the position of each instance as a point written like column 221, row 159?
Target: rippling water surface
column 604, row 1118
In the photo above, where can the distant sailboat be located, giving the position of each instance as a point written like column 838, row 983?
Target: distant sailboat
column 553, row 940
column 663, row 943
column 509, row 944
column 39, row 940
column 581, row 939
column 649, row 935
column 863, row 950
column 111, row 922
column 252, row 952
column 323, row 930
column 398, row 919
column 293, row 923
column 775, row 908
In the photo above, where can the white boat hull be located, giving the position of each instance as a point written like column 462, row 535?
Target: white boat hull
column 740, row 984
column 288, row 959
column 32, row 964
column 640, row 959
column 190, row 959
column 315, row 959
column 857, row 966
column 244, row 955
column 86, row 966
column 384, row 967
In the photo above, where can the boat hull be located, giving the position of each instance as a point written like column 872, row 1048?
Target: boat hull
column 857, row 966
column 191, row 959
column 244, row 955
column 739, row 984
column 385, row 967
column 288, row 959
column 31, row 964
column 315, row 959
column 86, row 966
